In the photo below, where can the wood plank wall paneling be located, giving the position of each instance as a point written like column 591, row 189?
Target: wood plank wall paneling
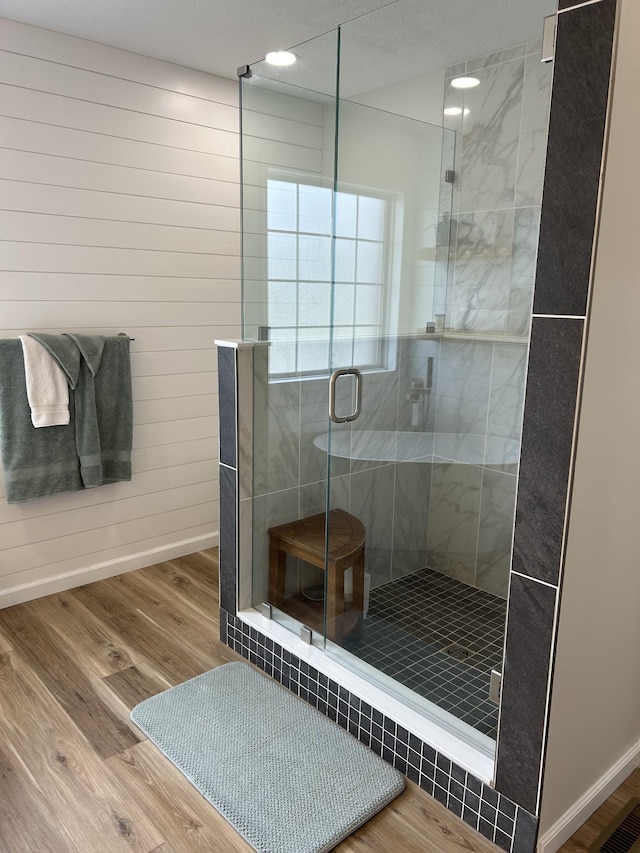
column 119, row 211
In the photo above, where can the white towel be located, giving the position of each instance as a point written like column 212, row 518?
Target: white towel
column 47, row 388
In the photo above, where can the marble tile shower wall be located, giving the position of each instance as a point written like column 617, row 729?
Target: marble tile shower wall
column 494, row 231
column 472, row 500
column 498, row 189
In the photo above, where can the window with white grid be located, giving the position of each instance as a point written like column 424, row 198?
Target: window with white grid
column 301, row 305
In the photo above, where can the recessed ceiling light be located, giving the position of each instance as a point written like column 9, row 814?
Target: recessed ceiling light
column 280, row 57
column 465, row 82
column 456, row 111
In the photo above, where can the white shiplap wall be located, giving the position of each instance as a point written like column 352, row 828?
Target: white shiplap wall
column 119, row 211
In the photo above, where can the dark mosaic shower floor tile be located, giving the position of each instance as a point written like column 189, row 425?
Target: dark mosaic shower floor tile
column 410, row 624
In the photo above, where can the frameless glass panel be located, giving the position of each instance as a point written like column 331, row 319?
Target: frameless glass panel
column 314, row 258
column 346, row 214
column 345, row 260
column 282, row 255
column 288, row 131
column 282, row 205
column 392, row 170
column 371, row 218
column 314, row 209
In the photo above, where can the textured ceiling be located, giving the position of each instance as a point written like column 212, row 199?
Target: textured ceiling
column 211, row 35
column 404, row 38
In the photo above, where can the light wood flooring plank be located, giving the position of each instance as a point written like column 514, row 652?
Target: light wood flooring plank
column 5, row 644
column 135, row 684
column 64, row 678
column 180, row 578
column 101, row 600
column 181, row 813
column 90, row 642
column 421, row 825
column 26, row 824
column 202, row 568
column 171, row 660
column 185, row 623
column 69, row 778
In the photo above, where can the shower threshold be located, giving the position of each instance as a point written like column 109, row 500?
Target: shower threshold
column 465, row 746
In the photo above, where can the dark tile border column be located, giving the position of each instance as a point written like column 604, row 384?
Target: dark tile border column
column 577, row 127
column 577, row 121
column 228, row 475
column 235, row 409
column 547, row 446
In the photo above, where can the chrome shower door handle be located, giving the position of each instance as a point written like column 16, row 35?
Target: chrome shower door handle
column 347, row 371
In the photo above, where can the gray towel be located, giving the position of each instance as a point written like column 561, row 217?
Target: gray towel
column 80, row 370
column 114, row 409
column 65, row 352
column 36, row 462
column 95, row 447
column 90, row 348
column 99, row 370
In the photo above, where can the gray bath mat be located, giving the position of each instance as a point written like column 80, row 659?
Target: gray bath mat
column 286, row 777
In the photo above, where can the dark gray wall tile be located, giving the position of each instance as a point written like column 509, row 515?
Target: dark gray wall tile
column 228, row 534
column 547, row 436
column 502, row 840
column 574, row 154
column 223, row 625
column 524, row 690
column 526, row 833
column 227, row 404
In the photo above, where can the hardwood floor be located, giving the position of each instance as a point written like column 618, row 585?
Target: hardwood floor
column 76, row 776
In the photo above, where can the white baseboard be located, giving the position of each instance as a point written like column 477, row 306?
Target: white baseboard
column 592, row 799
column 108, row 569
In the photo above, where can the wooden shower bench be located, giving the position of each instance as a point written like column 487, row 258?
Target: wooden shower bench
column 306, row 539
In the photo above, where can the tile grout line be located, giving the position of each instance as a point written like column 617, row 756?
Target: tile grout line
column 578, row 6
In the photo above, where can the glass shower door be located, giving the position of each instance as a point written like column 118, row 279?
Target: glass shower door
column 391, row 253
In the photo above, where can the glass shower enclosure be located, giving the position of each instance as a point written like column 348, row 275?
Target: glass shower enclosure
column 389, row 244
